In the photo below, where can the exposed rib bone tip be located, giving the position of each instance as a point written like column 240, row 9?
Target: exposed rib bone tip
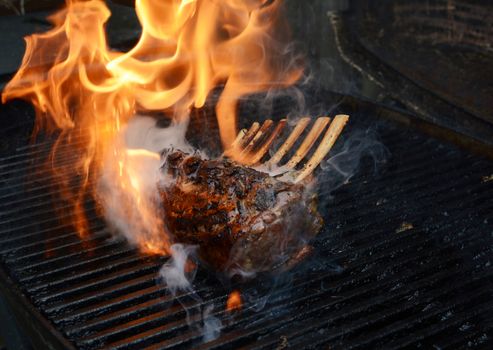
column 251, row 145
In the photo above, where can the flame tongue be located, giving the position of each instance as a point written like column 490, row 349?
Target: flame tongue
column 186, row 49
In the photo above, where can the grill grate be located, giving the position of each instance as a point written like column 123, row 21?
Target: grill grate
column 374, row 282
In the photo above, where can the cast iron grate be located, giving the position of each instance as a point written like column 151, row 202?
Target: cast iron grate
column 404, row 261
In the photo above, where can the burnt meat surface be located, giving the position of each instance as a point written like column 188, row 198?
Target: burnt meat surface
column 243, row 221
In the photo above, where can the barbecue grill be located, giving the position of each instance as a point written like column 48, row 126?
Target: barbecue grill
column 404, row 259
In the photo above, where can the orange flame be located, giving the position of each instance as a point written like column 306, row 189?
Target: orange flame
column 187, row 48
column 234, row 302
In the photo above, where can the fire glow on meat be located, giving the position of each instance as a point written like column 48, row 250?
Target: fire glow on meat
column 91, row 93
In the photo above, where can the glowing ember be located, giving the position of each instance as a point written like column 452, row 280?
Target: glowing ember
column 234, row 301
column 89, row 92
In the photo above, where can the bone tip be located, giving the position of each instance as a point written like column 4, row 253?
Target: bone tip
column 342, row 117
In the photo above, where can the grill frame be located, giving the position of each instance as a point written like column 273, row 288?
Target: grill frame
column 42, row 334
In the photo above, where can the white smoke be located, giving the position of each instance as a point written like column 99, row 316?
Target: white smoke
column 212, row 325
column 177, row 275
column 174, row 273
column 127, row 187
column 142, row 133
column 344, row 163
column 135, row 161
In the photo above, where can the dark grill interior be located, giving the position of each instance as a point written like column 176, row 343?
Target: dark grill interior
column 440, row 48
column 404, row 260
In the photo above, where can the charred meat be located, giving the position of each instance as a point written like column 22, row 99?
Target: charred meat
column 243, row 221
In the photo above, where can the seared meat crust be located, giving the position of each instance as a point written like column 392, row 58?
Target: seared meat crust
column 243, row 221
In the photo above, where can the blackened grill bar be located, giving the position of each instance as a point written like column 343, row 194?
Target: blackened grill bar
column 401, row 289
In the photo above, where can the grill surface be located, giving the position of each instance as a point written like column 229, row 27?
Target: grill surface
column 404, row 260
